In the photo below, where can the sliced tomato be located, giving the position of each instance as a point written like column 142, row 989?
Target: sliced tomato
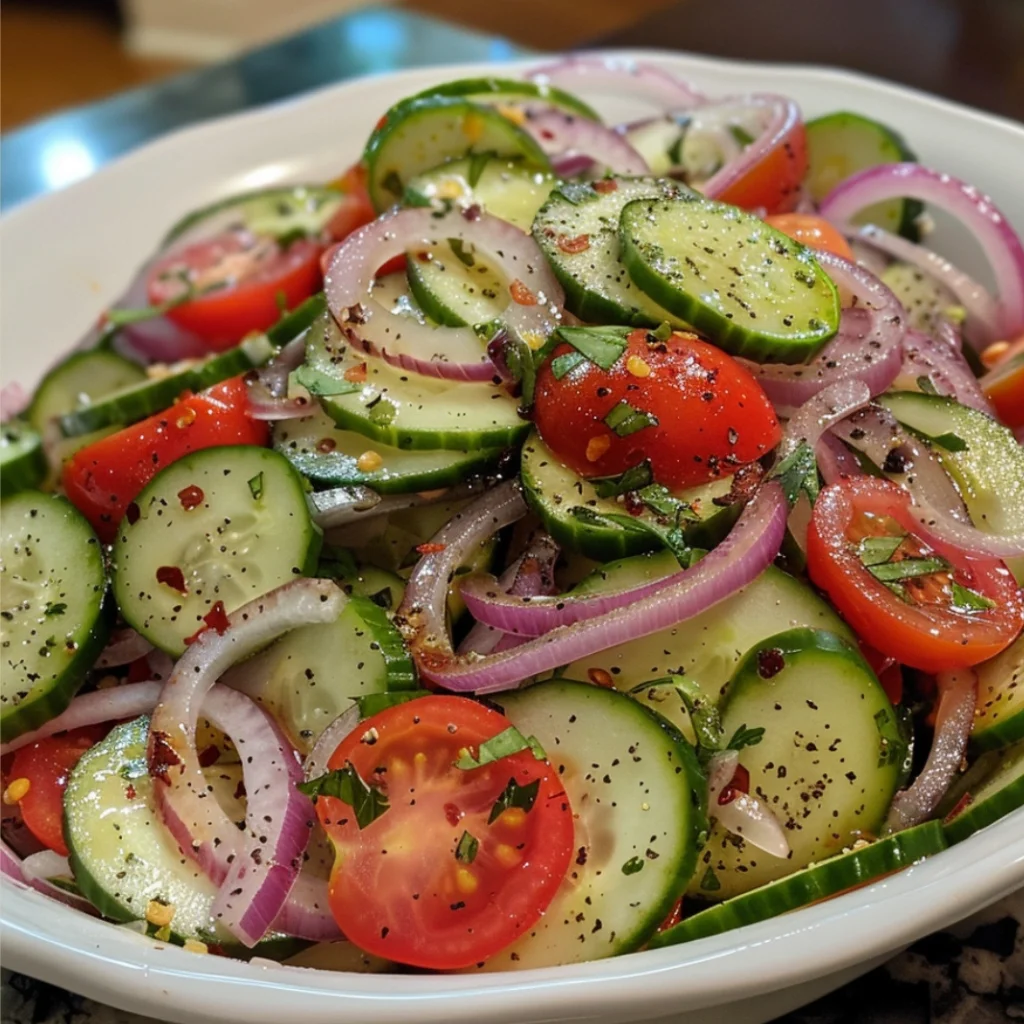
column 244, row 279
column 46, row 765
column 1004, row 383
column 699, row 414
column 814, row 232
column 454, row 869
column 356, row 208
column 772, row 183
column 102, row 479
column 888, row 670
column 961, row 612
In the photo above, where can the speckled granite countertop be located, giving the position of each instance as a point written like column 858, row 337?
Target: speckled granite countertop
column 972, row 974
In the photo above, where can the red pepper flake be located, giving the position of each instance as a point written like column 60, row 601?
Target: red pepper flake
column 521, row 294
column 380, row 124
column 191, row 497
column 600, row 677
column 740, row 783
column 325, row 445
column 130, row 792
column 430, row 549
column 173, row 577
column 581, row 243
column 209, row 756
column 132, row 513
column 452, row 814
column 605, row 185
column 961, row 805
column 161, row 757
column 356, row 374
column 423, row 256
column 216, row 618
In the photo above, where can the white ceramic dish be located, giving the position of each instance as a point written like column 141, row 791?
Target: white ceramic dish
column 65, row 256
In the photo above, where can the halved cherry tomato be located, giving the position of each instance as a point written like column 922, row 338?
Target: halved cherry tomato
column 1004, row 383
column 814, row 232
column 451, row 872
column 699, row 414
column 251, row 278
column 773, row 183
column 888, row 670
column 46, row 765
column 923, row 620
column 102, row 479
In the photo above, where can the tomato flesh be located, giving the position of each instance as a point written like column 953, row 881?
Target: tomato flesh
column 773, row 183
column 399, row 889
column 102, row 479
column 814, row 232
column 46, row 765
column 247, row 280
column 914, row 620
column 711, row 416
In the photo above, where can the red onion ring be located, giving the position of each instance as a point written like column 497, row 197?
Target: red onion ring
column 560, row 135
column 1001, row 244
column 958, row 692
column 816, row 417
column 945, row 367
column 14, row 400
column 617, row 76
column 835, row 461
column 745, row 815
column 750, row 547
column 867, row 347
column 316, row 760
column 124, row 647
column 454, row 353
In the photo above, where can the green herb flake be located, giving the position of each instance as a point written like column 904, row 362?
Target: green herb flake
column 966, row 600
column 382, row 411
column 514, row 795
column 55, row 608
column 659, row 499
column 710, row 882
column 663, row 332
column 925, row 384
column 704, row 717
column 741, row 135
column 907, row 568
column 477, row 165
column 744, row 737
column 603, row 346
column 393, row 183
column 633, row 479
column 368, row 801
column 371, row 703
column 632, row 866
column 563, row 365
column 798, row 473
column 878, row 550
column 462, row 254
column 625, row 419
column 322, row 385
column 466, row 851
column 505, row 744
column 256, row 486
column 675, row 151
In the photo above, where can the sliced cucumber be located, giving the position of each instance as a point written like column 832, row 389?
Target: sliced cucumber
column 750, row 288
column 411, row 411
column 627, row 573
column 828, row 763
column 504, row 188
column 123, row 857
column 511, row 92
column 420, row 133
column 456, row 289
column 250, row 532
column 137, row 401
column 565, row 502
column 279, row 211
column 298, row 320
column 989, row 472
column 22, row 459
column 999, row 717
column 638, row 796
column 821, row 881
column 927, row 302
column 597, row 287
column 54, row 621
column 331, row 458
column 708, row 647
column 312, row 674
column 81, row 378
column 992, row 788
column 841, row 144
column 381, row 586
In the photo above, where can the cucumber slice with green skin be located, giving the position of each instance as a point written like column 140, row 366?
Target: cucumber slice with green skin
column 504, row 188
column 121, row 854
column 627, row 573
column 278, row 211
column 992, row 788
column 511, row 92
column 54, row 620
column 753, row 290
column 841, row 144
column 708, row 647
column 408, row 410
column 420, row 133
column 82, row 377
column 313, row 674
column 553, row 491
column 137, row 401
column 22, row 459
column 329, row 458
column 989, row 472
column 597, row 287
column 250, row 532
column 298, row 320
column 381, row 586
column 927, row 302
column 820, row 881
column 638, row 796
column 828, row 763
column 454, row 290
column 999, row 716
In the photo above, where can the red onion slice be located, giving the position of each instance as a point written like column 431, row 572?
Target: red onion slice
column 945, row 367
column 40, row 869
column 1001, row 244
column 617, row 76
column 819, row 414
column 867, row 347
column 455, row 353
column 750, row 547
column 562, row 135
column 316, row 761
column 14, row 400
column 745, row 815
column 835, row 460
column 958, row 691
column 124, row 647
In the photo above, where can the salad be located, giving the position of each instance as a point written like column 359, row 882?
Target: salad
column 546, row 541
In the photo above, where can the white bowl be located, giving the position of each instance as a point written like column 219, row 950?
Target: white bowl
column 65, row 256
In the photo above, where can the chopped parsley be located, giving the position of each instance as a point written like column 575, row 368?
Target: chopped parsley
column 505, row 744
column 55, row 608
column 633, row 479
column 625, row 419
column 925, row 384
column 321, row 384
column 603, row 346
column 798, row 473
column 966, row 600
column 466, row 851
column 462, row 254
column 514, row 795
column 704, row 717
column 907, row 568
column 632, row 866
column 371, row 703
column 744, row 737
column 256, row 486
column 741, row 135
column 878, row 550
column 367, row 800
column 477, row 163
